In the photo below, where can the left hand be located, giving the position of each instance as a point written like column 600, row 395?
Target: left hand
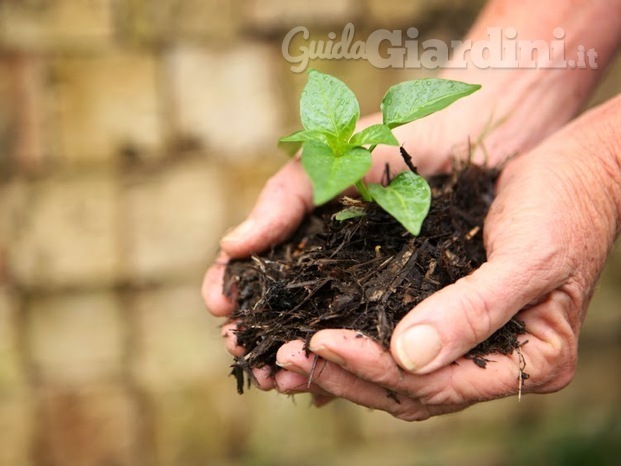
column 547, row 235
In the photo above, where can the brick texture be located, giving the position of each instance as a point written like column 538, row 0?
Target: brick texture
column 173, row 222
column 64, row 233
column 88, row 427
column 12, row 376
column 239, row 86
column 176, row 341
column 181, row 419
column 279, row 14
column 25, row 135
column 107, row 107
column 18, row 428
column 133, row 133
column 77, row 339
column 159, row 21
column 56, row 24
column 8, row 113
column 13, row 198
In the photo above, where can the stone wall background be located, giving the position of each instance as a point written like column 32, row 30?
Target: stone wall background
column 132, row 134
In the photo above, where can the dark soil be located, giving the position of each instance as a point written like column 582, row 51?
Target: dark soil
column 362, row 274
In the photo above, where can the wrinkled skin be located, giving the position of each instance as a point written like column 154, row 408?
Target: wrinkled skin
column 547, row 235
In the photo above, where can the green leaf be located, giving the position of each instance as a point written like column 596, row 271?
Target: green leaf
column 375, row 134
column 331, row 174
column 304, row 135
column 292, row 143
column 290, row 147
column 349, row 212
column 328, row 105
column 407, row 199
column 411, row 100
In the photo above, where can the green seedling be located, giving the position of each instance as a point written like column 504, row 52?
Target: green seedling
column 335, row 157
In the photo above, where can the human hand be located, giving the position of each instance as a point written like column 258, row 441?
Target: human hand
column 547, row 236
column 287, row 198
column 557, row 94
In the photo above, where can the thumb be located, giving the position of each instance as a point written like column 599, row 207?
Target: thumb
column 281, row 206
column 454, row 320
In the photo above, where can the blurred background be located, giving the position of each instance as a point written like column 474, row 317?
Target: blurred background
column 133, row 133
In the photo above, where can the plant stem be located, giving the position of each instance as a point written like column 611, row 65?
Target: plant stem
column 361, row 187
column 363, row 190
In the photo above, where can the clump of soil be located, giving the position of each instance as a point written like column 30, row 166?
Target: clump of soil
column 362, row 274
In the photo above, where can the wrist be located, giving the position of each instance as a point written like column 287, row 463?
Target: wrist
column 529, row 103
column 609, row 133
column 592, row 146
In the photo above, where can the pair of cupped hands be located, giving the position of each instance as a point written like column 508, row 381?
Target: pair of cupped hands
column 547, row 236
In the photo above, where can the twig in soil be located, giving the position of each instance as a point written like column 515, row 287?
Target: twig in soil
column 239, row 367
column 393, row 396
column 522, row 376
column 386, row 178
column 407, row 158
column 351, row 275
column 311, row 375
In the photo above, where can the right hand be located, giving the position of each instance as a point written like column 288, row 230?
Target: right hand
column 287, row 198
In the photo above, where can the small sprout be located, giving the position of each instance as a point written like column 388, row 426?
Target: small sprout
column 335, row 158
column 348, row 213
column 407, row 198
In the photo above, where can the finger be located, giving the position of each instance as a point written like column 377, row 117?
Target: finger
column 361, row 355
column 548, row 356
column 343, row 384
column 292, row 383
column 213, row 290
column 455, row 385
column 527, row 259
column 263, row 378
column 281, row 206
column 321, row 400
column 551, row 352
column 229, row 333
column 454, row 320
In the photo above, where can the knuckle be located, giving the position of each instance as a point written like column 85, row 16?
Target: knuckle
column 383, row 376
column 556, row 365
column 274, row 184
column 565, row 364
column 411, row 413
column 338, row 384
column 446, row 396
column 476, row 313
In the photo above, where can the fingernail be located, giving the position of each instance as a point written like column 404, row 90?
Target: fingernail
column 289, row 366
column 418, row 346
column 328, row 354
column 321, row 400
column 240, row 232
